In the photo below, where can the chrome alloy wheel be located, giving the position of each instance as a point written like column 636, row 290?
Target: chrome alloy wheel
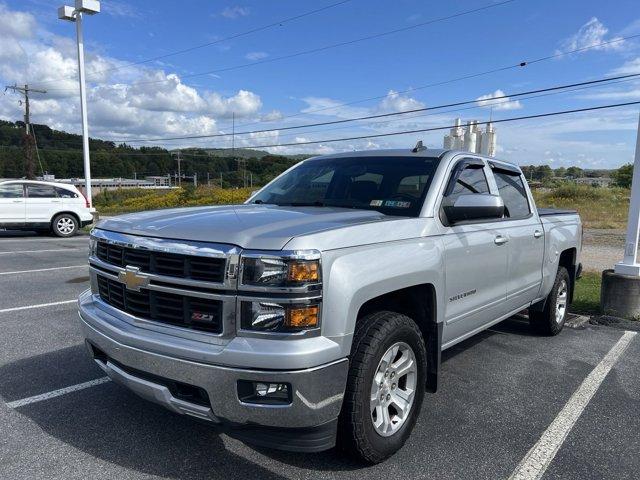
column 393, row 388
column 65, row 225
column 561, row 301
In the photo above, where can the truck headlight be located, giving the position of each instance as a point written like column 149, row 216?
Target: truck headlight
column 266, row 316
column 294, row 270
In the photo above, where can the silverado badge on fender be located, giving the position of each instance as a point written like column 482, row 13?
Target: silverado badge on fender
column 133, row 279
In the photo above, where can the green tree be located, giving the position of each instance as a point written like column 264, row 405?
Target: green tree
column 622, row 176
column 574, row 172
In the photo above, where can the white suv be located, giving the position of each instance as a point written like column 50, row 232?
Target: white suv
column 31, row 205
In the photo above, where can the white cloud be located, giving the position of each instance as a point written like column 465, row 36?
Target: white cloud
column 589, row 35
column 241, row 104
column 256, row 56
column 331, row 107
column 120, row 9
column 168, row 94
column 235, row 12
column 16, row 25
column 126, row 102
column 494, row 100
column 272, row 116
column 629, row 67
column 395, row 102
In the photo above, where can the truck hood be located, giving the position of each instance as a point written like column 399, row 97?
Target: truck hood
column 261, row 227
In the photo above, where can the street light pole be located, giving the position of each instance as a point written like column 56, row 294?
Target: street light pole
column 90, row 7
column 630, row 265
column 83, row 111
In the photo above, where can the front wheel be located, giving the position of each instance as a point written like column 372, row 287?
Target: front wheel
column 550, row 320
column 385, row 386
column 64, row 225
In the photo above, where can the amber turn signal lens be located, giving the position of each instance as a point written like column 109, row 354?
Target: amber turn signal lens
column 304, row 271
column 304, row 317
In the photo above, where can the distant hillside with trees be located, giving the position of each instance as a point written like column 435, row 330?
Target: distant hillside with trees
column 61, row 155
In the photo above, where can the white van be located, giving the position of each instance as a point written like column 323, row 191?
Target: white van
column 43, row 206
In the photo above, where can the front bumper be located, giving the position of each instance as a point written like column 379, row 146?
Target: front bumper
column 316, row 392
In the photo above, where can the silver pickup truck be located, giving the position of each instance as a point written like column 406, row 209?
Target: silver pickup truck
column 316, row 313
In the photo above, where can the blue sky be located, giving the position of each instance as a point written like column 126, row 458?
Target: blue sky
column 125, row 103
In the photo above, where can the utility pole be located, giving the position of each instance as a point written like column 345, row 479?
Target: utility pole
column 28, row 139
column 242, row 162
column 179, row 159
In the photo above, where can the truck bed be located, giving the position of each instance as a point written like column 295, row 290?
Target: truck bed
column 545, row 212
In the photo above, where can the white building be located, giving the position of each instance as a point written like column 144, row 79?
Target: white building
column 471, row 138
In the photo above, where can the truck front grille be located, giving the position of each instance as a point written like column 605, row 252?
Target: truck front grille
column 180, row 310
column 208, row 269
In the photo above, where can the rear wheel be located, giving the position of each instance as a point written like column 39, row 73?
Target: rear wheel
column 550, row 320
column 64, row 225
column 385, row 386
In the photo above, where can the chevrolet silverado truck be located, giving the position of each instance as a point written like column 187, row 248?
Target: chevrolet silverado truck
column 315, row 314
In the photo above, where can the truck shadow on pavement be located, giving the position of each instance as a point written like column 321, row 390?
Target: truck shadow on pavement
column 111, row 424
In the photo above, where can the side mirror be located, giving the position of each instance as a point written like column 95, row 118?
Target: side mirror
column 475, row 206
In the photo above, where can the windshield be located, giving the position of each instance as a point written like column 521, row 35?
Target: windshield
column 390, row 185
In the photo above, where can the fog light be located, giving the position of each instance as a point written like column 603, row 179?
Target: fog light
column 265, row 393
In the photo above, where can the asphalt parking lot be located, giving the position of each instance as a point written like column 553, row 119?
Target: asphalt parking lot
column 511, row 404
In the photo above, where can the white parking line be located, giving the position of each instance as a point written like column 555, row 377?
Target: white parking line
column 42, row 251
column 43, row 270
column 56, row 393
column 42, row 240
column 536, row 461
column 41, row 305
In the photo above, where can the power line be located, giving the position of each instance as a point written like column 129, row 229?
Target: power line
column 379, row 135
column 328, row 47
column 341, row 44
column 278, row 23
column 457, row 79
column 474, row 107
column 432, row 129
column 381, row 115
column 436, row 84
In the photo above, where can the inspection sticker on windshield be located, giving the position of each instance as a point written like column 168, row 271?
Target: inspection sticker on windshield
column 397, row 204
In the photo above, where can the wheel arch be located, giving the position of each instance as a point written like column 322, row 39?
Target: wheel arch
column 65, row 212
column 418, row 302
column 566, row 259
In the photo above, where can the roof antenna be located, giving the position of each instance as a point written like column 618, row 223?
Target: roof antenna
column 419, row 147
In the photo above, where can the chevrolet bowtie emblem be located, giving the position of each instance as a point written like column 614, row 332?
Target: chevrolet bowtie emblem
column 133, row 278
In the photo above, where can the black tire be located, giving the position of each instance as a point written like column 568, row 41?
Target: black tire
column 546, row 321
column 64, row 225
column 375, row 334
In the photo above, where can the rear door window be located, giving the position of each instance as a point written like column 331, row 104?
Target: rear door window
column 513, row 193
column 64, row 193
column 41, row 191
column 13, row 190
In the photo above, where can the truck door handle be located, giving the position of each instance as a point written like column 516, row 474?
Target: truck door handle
column 500, row 240
column 537, row 234
column 17, row 201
